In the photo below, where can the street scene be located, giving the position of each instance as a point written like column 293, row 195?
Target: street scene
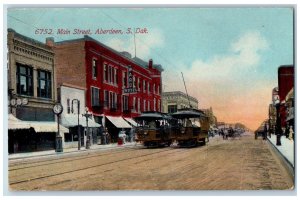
column 185, row 99
column 234, row 164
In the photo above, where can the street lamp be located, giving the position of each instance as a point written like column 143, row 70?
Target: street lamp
column 278, row 122
column 78, row 131
column 87, row 115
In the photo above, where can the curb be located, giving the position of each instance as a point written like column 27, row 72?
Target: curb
column 286, row 163
column 68, row 152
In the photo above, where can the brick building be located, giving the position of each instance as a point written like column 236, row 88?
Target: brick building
column 104, row 73
column 285, row 84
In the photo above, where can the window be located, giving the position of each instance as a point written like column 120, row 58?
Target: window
column 116, row 77
column 112, row 100
column 125, row 102
column 68, row 106
column 139, row 105
column 109, row 74
column 133, row 104
column 94, row 68
column 139, row 84
column 124, row 79
column 134, row 82
column 44, row 84
column 148, row 105
column 154, row 91
column 95, row 96
column 148, row 87
column 158, row 91
column 158, row 105
column 172, row 108
column 144, row 86
column 105, row 72
column 24, row 80
column 106, row 98
column 154, row 106
column 144, row 107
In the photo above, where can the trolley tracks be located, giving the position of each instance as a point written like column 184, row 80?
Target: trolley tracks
column 27, row 177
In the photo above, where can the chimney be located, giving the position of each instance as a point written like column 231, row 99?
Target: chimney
column 150, row 64
column 50, row 41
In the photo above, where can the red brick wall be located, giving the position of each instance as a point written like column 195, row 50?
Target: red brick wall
column 70, row 63
column 104, row 55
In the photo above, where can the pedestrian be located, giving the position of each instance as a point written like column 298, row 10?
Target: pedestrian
column 291, row 133
column 104, row 136
column 131, row 134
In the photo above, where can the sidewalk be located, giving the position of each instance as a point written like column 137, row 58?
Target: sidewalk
column 286, row 148
column 94, row 147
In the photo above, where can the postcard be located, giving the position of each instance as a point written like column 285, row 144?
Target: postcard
column 150, row 98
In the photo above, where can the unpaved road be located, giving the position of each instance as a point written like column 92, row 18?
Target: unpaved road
column 234, row 164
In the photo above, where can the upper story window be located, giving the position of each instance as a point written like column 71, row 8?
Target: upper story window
column 148, row 87
column 95, row 96
column 124, row 79
column 106, row 98
column 138, row 84
column 94, row 68
column 109, row 73
column 158, row 91
column 24, row 80
column 144, row 86
column 44, row 88
column 125, row 102
column 105, row 72
column 116, row 76
column 154, row 104
column 154, row 91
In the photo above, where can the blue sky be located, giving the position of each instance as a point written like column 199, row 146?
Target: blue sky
column 229, row 56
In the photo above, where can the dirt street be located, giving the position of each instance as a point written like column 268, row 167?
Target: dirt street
column 233, row 164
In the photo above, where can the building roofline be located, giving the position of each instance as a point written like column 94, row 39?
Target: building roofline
column 72, row 86
column 28, row 39
column 90, row 39
column 179, row 92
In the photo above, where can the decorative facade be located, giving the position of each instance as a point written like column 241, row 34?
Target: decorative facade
column 172, row 101
column 31, row 75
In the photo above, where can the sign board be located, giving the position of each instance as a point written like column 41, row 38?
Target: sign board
column 130, row 88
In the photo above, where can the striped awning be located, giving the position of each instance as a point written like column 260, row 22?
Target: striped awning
column 71, row 120
column 119, row 122
column 131, row 121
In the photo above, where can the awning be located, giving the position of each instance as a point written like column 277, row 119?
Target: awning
column 15, row 123
column 131, row 121
column 47, row 127
column 71, row 120
column 119, row 122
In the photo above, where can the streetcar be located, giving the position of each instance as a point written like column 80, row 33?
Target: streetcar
column 154, row 129
column 192, row 127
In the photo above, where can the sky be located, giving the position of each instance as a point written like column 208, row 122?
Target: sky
column 229, row 56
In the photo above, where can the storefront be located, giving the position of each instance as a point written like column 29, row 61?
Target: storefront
column 30, row 136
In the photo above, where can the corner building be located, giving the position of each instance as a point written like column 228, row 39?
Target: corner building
column 103, row 71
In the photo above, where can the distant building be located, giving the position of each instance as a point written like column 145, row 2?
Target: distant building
column 285, row 84
column 172, row 101
column 211, row 118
